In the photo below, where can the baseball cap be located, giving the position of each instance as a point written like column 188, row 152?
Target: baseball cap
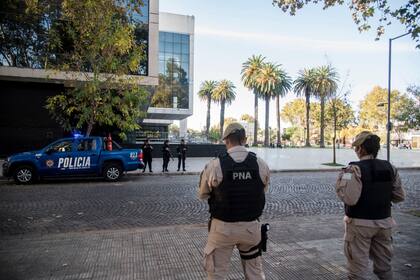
column 232, row 128
column 361, row 137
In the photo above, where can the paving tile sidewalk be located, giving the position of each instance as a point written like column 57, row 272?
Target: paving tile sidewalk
column 302, row 159
column 299, row 248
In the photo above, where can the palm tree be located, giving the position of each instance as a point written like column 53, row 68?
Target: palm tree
column 224, row 93
column 250, row 70
column 282, row 87
column 266, row 81
column 325, row 84
column 206, row 94
column 304, row 85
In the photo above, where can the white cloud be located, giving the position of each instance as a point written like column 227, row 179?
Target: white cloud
column 304, row 42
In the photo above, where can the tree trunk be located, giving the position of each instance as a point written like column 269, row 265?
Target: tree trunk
column 255, row 142
column 278, row 121
column 321, row 140
column 308, row 108
column 208, row 116
column 222, row 117
column 335, row 135
column 89, row 129
column 267, row 119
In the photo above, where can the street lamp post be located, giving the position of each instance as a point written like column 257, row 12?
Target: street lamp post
column 389, row 124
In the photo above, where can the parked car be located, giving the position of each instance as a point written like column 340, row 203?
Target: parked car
column 70, row 157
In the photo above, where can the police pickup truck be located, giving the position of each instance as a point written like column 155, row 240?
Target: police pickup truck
column 77, row 156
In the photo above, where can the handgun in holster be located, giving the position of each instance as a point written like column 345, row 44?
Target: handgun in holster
column 264, row 236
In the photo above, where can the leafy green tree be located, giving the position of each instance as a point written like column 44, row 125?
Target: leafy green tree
column 293, row 134
column 100, row 49
column 293, row 112
column 206, row 94
column 247, row 118
column 229, row 120
column 414, row 114
column 224, row 94
column 214, row 133
column 373, row 108
column 325, row 84
column 340, row 114
column 304, row 85
column 250, row 70
column 364, row 10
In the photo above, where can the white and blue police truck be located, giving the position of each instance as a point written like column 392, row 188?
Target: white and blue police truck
column 73, row 157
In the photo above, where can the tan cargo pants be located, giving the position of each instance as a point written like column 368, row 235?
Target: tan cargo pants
column 223, row 237
column 362, row 243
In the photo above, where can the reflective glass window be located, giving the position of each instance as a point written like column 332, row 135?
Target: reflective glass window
column 177, row 38
column 177, row 48
column 173, row 71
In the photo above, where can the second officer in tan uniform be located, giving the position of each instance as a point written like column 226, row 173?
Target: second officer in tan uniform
column 367, row 187
column 235, row 186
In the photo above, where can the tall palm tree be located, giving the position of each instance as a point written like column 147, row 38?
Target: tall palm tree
column 249, row 72
column 267, row 80
column 282, row 87
column 206, row 94
column 325, row 84
column 224, row 93
column 304, row 85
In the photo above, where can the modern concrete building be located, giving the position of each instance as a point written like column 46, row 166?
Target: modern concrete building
column 167, row 72
column 173, row 99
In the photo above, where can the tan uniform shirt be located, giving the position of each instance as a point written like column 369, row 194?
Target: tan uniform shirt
column 212, row 175
column 349, row 189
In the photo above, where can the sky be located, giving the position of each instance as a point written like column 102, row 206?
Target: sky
column 227, row 33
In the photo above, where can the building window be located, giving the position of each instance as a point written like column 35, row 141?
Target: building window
column 174, row 78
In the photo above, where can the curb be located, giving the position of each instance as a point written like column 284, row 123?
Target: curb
column 140, row 174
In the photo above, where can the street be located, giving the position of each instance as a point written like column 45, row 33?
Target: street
column 154, row 227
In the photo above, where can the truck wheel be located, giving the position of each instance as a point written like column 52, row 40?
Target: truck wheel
column 112, row 171
column 24, row 174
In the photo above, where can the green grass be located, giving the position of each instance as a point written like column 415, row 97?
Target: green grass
column 333, row 164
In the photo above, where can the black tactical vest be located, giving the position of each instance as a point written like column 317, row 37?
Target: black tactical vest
column 240, row 196
column 375, row 200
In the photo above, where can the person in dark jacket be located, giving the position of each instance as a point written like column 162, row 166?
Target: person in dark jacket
column 182, row 151
column 147, row 155
column 166, row 154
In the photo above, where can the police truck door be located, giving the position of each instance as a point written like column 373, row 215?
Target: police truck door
column 85, row 156
column 53, row 158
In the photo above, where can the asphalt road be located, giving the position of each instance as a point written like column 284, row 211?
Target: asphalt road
column 150, row 201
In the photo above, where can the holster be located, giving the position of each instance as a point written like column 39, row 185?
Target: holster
column 209, row 224
column 264, row 236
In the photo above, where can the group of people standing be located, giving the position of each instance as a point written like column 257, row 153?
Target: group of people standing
column 166, row 155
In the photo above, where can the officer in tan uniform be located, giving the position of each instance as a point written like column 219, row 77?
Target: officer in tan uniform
column 367, row 188
column 234, row 184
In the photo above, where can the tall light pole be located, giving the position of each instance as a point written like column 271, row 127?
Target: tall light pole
column 389, row 124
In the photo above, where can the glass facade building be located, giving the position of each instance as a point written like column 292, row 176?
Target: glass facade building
column 174, row 68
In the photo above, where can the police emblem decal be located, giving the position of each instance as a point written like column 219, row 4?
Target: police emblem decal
column 49, row 163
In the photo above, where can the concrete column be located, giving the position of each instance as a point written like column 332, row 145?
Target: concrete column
column 183, row 125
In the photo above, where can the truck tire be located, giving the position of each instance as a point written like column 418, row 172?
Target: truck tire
column 24, row 175
column 112, row 171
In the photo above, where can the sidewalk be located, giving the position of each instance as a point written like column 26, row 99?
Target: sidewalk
column 299, row 248
column 302, row 159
